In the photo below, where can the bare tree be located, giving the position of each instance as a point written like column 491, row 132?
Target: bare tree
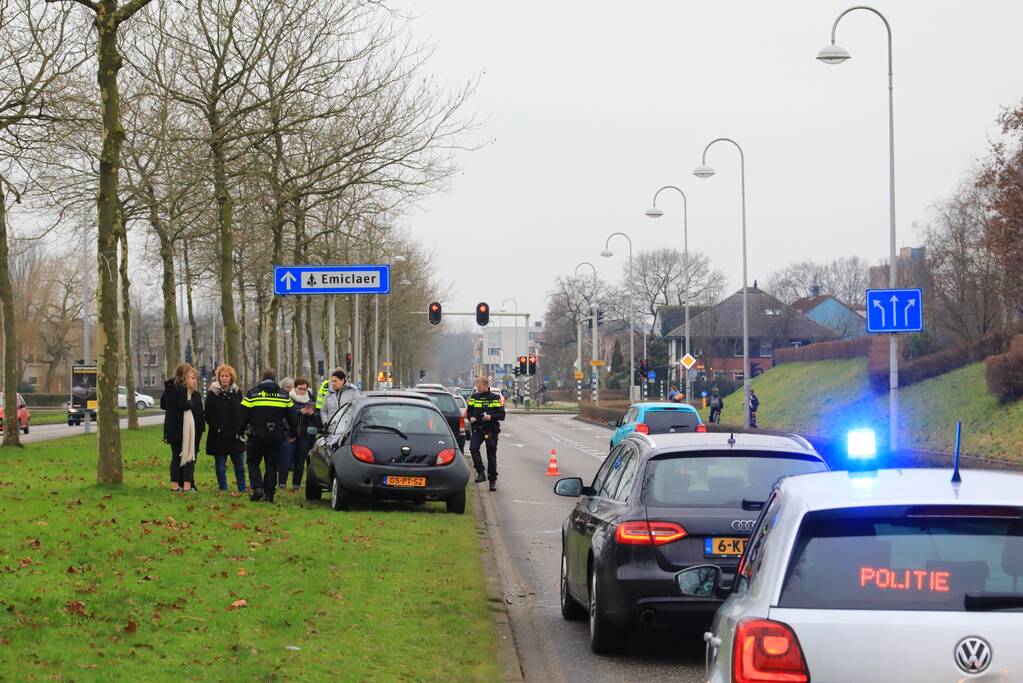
column 845, row 278
column 660, row 277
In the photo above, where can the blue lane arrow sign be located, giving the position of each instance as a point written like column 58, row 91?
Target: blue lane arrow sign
column 359, row 279
column 895, row 310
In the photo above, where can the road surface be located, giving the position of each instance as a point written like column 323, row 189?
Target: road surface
column 59, row 431
column 528, row 525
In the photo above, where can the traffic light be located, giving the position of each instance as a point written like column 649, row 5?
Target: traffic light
column 532, row 364
column 644, row 366
column 515, row 370
column 600, row 317
column 482, row 314
column 522, row 365
column 348, row 362
column 435, row 313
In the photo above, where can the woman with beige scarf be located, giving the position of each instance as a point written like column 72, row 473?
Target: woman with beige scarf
column 183, row 425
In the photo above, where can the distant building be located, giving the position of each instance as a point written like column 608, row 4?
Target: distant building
column 667, row 318
column 910, row 258
column 717, row 339
column 825, row 309
column 498, row 345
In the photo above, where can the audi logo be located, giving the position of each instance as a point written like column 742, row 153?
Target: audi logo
column 743, row 524
column 973, row 655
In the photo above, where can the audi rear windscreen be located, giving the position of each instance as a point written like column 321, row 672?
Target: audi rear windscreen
column 710, row 479
column 908, row 559
column 670, row 421
column 444, row 402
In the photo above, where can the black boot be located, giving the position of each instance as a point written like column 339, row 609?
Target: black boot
column 257, row 495
column 493, row 486
column 480, row 477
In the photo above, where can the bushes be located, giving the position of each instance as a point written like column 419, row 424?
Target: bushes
column 934, row 364
column 602, row 414
column 46, row 400
column 1005, row 372
column 835, row 350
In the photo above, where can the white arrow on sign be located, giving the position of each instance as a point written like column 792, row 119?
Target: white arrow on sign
column 878, row 305
column 894, row 300
column 288, row 279
column 905, row 313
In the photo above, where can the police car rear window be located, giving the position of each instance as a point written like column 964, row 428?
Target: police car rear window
column 894, row 559
column 670, row 421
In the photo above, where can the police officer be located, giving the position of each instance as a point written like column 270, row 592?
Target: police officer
column 485, row 413
column 267, row 412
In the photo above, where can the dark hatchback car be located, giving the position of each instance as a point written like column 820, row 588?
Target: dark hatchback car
column 388, row 447
column 447, row 405
column 657, row 505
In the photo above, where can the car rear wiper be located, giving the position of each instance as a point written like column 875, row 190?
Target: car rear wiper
column 388, row 428
column 748, row 504
column 980, row 602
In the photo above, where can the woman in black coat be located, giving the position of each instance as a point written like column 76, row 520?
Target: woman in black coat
column 183, row 425
column 223, row 409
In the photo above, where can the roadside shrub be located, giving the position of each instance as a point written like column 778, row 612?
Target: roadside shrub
column 45, row 400
column 602, row 414
column 834, row 350
column 933, row 364
column 1005, row 372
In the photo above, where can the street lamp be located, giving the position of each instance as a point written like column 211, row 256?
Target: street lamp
column 397, row 258
column 594, row 375
column 705, row 171
column 515, row 336
column 836, row 54
column 654, row 212
column 607, row 253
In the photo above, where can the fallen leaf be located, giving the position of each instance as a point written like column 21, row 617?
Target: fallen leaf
column 32, row 542
column 130, row 627
column 72, row 570
column 76, row 607
column 238, row 604
column 242, row 572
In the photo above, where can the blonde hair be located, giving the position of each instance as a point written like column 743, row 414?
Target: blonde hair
column 224, row 367
column 181, row 372
column 484, row 379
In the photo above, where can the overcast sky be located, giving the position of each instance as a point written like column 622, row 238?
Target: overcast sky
column 592, row 106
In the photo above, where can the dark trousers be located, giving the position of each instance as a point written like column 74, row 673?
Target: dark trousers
column 480, row 437
column 180, row 473
column 293, row 457
column 266, row 453
column 220, row 465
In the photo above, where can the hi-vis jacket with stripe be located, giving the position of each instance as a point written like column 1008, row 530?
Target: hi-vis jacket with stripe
column 267, row 410
column 488, row 402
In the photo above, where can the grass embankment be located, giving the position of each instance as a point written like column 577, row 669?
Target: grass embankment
column 137, row 584
column 826, row 397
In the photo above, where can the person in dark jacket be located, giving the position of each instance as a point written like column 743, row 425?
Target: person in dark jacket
column 223, row 412
column 183, row 425
column 268, row 414
column 716, row 404
column 485, row 412
column 294, row 453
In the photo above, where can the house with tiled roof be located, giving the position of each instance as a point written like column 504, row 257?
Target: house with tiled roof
column 827, row 310
column 717, row 338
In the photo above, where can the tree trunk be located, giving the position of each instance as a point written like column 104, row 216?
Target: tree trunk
column 171, row 338
column 225, row 224
column 129, row 372
column 192, row 327
column 260, row 331
column 109, row 468
column 11, row 433
column 243, row 369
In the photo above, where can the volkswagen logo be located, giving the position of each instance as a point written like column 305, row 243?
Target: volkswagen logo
column 743, row 524
column 973, row 655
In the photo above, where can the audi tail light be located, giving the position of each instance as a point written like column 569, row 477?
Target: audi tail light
column 649, row 533
column 765, row 650
column 363, row 453
column 446, row 456
column 642, row 428
column 461, row 422
column 701, row 428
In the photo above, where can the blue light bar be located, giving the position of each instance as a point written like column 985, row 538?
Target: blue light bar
column 861, row 444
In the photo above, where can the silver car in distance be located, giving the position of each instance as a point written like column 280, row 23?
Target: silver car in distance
column 885, row 575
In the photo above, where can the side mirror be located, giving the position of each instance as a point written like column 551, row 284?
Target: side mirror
column 612, row 424
column 571, row 487
column 700, row 581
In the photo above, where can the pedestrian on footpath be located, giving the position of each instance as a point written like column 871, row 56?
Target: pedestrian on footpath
column 268, row 416
column 335, row 392
column 485, row 412
column 674, row 395
column 294, row 453
column 716, row 404
column 754, row 403
column 183, row 425
column 223, row 414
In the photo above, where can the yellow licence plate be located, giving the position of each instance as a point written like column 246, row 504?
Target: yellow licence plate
column 724, row 545
column 408, row 482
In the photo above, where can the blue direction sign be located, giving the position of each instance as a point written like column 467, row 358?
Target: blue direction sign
column 895, row 310
column 332, row 279
column 651, row 376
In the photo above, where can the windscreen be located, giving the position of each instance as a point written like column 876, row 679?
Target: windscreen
column 408, row 419
column 902, row 560
column 670, row 421
column 444, row 402
column 705, row 480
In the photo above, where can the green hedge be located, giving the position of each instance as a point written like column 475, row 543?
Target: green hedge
column 933, row 364
column 834, row 350
column 46, row 400
column 1005, row 372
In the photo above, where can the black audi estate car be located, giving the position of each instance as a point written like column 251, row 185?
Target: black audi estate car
column 658, row 505
column 393, row 446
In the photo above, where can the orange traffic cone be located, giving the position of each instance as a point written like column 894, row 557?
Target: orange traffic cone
column 552, row 466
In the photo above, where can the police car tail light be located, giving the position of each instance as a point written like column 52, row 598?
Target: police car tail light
column 446, row 456
column 642, row 428
column 363, row 453
column 765, row 650
column 649, row 533
column 701, row 428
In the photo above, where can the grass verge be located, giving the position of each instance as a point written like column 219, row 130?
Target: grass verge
column 53, row 416
column 135, row 583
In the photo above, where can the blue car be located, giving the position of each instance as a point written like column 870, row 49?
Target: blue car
column 656, row 418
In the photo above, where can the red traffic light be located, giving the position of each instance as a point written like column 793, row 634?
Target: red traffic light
column 435, row 313
column 532, row 364
column 482, row 314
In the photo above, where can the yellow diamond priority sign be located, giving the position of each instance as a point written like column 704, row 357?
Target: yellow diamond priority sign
column 688, row 361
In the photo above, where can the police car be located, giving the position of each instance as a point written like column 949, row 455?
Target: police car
column 886, row 575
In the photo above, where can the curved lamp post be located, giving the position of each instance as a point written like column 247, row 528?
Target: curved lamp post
column 705, row 171
column 607, row 253
column 836, row 54
column 654, row 212
column 594, row 377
